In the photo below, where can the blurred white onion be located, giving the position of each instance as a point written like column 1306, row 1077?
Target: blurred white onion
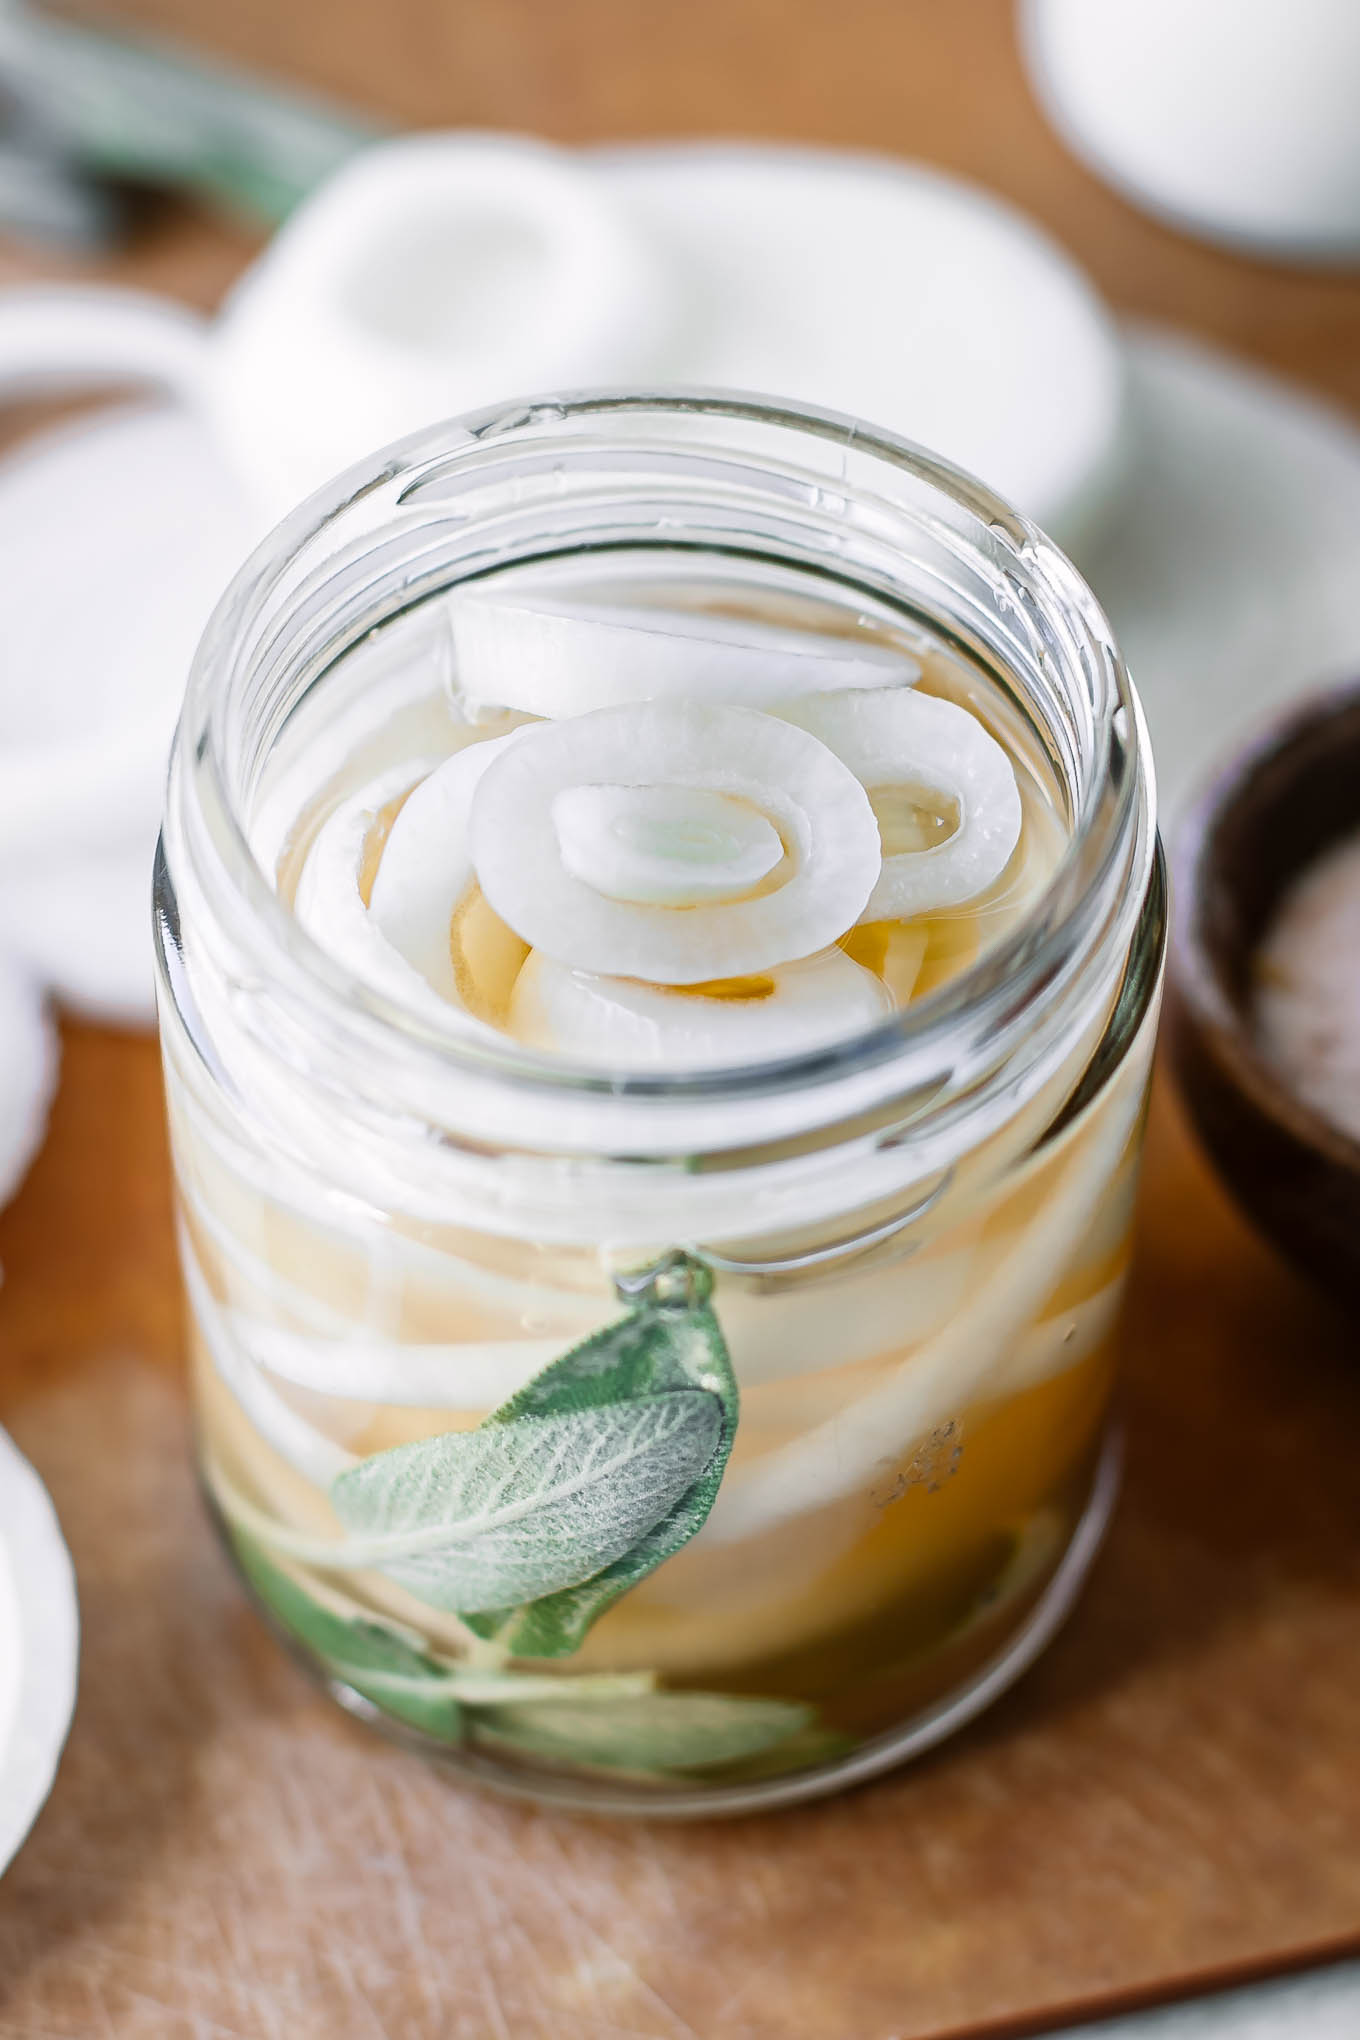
column 430, row 275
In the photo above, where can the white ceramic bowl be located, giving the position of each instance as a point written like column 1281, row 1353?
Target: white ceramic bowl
column 39, row 1646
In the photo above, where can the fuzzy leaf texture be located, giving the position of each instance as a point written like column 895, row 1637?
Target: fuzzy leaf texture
column 478, row 1519
column 665, row 1347
column 586, row 1480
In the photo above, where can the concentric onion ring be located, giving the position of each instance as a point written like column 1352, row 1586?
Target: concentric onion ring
column 564, row 658
column 330, row 905
column 894, row 738
column 815, row 804
column 624, row 1025
column 664, row 846
column 426, row 866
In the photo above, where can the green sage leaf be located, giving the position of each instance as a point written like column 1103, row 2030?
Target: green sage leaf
column 807, row 1749
column 605, row 1721
column 651, row 1732
column 376, row 1661
column 659, row 1347
column 525, row 1506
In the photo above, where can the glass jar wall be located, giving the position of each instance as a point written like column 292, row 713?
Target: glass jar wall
column 677, row 1442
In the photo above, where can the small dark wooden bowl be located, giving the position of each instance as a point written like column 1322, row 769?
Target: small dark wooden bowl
column 1289, row 796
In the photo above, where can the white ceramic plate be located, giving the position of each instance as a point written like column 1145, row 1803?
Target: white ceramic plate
column 29, row 1060
column 39, row 1646
column 893, row 291
column 117, row 535
column 1230, row 567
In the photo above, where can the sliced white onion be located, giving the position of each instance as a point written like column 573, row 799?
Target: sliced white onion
column 394, row 1373
column 430, row 274
column 956, row 1367
column 331, row 907
column 1061, row 1341
column 557, row 657
column 787, row 1336
column 625, row 1025
column 817, row 807
column 664, row 846
column 903, row 738
column 399, row 1269
column 426, row 866
column 307, row 1450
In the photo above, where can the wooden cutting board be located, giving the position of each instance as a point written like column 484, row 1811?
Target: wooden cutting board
column 1175, row 1790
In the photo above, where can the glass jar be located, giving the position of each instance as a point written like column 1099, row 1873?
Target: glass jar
column 886, row 1275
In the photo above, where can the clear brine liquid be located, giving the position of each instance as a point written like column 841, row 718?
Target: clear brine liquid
column 919, row 1422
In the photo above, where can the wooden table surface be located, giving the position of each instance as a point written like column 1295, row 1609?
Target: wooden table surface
column 1175, row 1791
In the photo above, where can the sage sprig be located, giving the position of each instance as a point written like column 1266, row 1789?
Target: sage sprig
column 530, row 1525
column 585, row 1481
column 373, row 1658
column 478, row 1520
column 611, row 1721
column 647, row 1734
column 670, row 1343
column 528, row 1528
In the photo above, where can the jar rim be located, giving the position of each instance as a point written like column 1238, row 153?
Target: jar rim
column 1098, row 883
